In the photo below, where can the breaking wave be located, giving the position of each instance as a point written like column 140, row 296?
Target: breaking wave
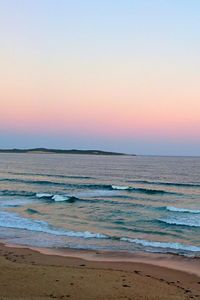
column 176, row 184
column 56, row 197
column 141, row 190
column 44, row 195
column 165, row 245
column 183, row 210
column 100, row 190
column 117, row 187
column 13, row 220
column 190, row 222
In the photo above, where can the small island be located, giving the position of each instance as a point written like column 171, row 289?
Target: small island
column 60, row 151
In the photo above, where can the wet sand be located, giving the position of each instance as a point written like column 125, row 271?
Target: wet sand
column 29, row 274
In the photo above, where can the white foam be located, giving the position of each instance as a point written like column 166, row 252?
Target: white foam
column 14, row 220
column 116, row 187
column 184, row 210
column 86, row 235
column 44, row 195
column 56, row 198
column 191, row 222
column 60, row 198
column 166, row 245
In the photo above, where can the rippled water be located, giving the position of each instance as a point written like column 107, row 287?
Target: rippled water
column 101, row 202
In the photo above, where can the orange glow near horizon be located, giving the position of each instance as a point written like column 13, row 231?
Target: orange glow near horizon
column 111, row 108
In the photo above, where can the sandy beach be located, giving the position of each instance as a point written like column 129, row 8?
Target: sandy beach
column 29, row 274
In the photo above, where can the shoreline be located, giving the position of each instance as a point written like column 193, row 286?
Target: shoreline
column 95, row 274
column 190, row 265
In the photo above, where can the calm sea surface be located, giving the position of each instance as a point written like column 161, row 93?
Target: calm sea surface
column 101, row 202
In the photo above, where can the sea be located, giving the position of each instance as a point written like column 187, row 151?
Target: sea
column 109, row 203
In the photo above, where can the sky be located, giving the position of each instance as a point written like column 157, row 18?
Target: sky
column 118, row 75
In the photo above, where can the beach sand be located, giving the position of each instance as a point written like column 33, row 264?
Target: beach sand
column 29, row 274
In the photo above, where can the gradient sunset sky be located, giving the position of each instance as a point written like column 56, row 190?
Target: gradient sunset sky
column 119, row 75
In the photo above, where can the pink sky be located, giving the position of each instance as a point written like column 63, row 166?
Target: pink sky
column 130, row 72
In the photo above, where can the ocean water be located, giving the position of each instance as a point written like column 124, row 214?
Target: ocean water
column 118, row 203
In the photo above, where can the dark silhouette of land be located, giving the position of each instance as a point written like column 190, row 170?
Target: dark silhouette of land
column 60, row 151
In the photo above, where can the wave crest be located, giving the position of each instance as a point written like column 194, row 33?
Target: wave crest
column 183, row 210
column 44, row 195
column 176, row 184
column 165, row 245
column 182, row 222
column 13, row 220
column 142, row 190
column 117, row 187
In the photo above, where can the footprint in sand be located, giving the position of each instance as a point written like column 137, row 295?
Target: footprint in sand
column 126, row 285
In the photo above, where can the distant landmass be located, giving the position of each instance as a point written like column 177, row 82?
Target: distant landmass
column 59, row 151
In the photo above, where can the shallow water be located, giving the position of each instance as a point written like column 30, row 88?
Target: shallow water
column 101, row 202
